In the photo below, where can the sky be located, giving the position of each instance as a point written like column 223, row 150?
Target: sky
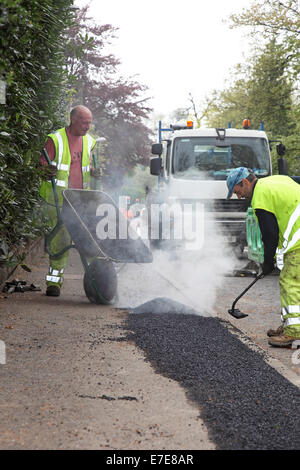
column 174, row 47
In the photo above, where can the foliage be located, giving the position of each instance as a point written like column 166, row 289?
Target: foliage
column 266, row 88
column 280, row 20
column 48, row 62
column 271, row 17
column 117, row 104
column 262, row 92
column 32, row 65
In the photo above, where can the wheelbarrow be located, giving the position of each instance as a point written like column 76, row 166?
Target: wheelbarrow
column 102, row 236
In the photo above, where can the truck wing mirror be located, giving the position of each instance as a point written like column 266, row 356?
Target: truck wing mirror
column 155, row 165
column 157, row 149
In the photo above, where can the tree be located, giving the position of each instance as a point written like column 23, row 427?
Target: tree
column 278, row 23
column 270, row 90
column 118, row 105
column 230, row 105
column 271, row 19
column 32, row 65
column 262, row 91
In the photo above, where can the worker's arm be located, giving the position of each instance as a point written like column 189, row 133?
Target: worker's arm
column 46, row 170
column 270, row 234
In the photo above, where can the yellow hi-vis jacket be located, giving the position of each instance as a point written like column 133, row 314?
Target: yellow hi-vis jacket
column 280, row 195
column 62, row 162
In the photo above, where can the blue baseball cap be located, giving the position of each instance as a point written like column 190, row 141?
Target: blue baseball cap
column 235, row 177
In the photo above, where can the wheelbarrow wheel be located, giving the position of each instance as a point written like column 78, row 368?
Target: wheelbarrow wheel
column 105, row 276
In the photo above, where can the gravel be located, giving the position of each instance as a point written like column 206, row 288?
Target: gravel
column 244, row 402
column 163, row 305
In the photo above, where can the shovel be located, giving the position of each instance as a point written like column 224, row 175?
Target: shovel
column 235, row 312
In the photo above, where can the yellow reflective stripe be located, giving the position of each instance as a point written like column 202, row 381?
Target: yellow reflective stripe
column 55, row 272
column 85, row 169
column 279, row 259
column 63, row 167
column 294, row 216
column 292, row 309
column 60, row 183
column 292, row 321
column 60, row 147
column 292, row 220
column 293, row 241
column 60, row 166
column 90, row 141
column 53, row 278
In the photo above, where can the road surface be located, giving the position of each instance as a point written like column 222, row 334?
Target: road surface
column 79, row 376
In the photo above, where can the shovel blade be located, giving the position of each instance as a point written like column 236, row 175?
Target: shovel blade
column 236, row 313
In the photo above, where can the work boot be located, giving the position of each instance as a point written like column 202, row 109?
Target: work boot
column 284, row 341
column 277, row 332
column 53, row 291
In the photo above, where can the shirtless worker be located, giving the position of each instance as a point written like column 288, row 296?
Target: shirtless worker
column 69, row 150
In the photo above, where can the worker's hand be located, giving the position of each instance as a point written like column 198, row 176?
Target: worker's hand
column 267, row 268
column 96, row 173
column 47, row 171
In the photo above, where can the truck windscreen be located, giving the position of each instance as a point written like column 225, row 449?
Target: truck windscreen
column 201, row 158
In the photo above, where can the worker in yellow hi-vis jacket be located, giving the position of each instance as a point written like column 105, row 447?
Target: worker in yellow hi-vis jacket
column 69, row 150
column 276, row 204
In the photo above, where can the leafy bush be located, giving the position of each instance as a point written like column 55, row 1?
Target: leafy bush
column 32, row 65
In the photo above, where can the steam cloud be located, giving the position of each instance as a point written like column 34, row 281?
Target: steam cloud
column 190, row 276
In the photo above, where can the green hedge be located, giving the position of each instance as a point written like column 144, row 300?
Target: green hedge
column 32, row 65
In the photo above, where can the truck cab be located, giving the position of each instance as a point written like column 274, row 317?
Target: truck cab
column 193, row 165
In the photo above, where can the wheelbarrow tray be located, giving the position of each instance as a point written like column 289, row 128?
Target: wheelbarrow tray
column 86, row 212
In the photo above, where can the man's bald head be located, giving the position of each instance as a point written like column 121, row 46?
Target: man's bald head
column 81, row 120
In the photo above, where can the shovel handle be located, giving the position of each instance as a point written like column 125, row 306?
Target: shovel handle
column 259, row 276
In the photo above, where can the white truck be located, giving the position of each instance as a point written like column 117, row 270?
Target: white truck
column 192, row 165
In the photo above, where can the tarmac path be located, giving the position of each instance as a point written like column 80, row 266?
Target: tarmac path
column 83, row 376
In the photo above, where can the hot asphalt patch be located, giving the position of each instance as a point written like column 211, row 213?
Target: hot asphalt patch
column 245, row 403
column 164, row 305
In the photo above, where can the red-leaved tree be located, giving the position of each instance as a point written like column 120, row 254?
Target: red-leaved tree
column 119, row 105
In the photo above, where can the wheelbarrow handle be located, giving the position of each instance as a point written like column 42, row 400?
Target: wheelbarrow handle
column 49, row 237
column 53, row 187
column 97, row 182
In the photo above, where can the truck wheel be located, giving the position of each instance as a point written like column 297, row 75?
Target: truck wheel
column 105, row 277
